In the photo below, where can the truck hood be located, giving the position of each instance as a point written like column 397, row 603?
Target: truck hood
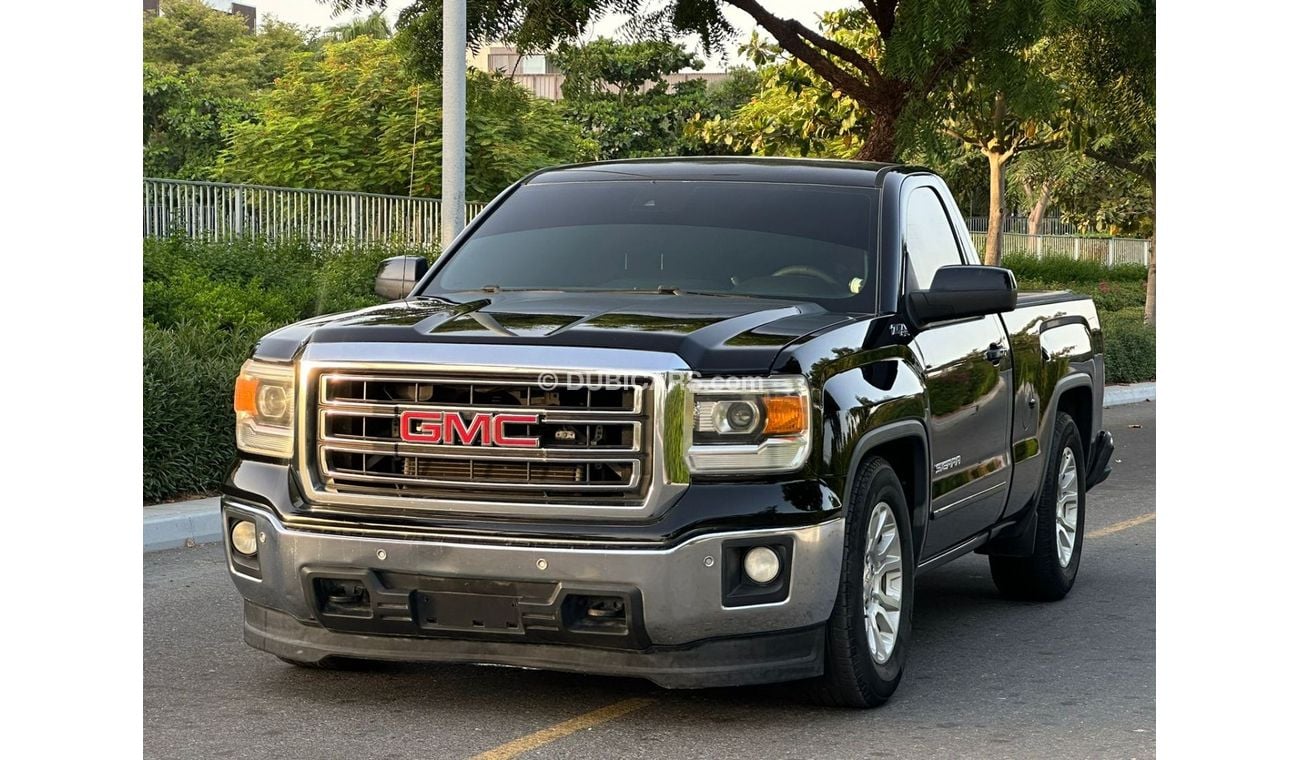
column 712, row 334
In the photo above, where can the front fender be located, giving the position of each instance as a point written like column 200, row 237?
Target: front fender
column 866, row 407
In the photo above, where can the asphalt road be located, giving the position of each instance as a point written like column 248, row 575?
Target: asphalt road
column 985, row 677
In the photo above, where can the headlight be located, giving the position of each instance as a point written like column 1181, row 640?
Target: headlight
column 264, row 409
column 749, row 425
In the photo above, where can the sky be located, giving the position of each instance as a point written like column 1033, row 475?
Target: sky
column 313, row 13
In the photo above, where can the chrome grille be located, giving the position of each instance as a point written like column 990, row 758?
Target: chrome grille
column 592, row 444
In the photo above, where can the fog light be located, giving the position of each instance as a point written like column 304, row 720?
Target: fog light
column 762, row 565
column 244, row 538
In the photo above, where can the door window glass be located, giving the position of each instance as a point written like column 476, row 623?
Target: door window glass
column 928, row 239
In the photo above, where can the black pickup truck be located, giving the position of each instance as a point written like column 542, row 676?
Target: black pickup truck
column 700, row 421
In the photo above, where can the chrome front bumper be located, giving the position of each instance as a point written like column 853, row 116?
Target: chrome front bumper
column 680, row 587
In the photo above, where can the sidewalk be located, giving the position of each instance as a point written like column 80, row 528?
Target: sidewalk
column 182, row 523
column 198, row 521
column 1117, row 395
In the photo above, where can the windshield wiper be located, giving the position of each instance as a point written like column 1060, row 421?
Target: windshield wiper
column 673, row 290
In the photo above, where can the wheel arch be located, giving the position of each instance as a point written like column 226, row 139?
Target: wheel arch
column 1072, row 394
column 1076, row 401
column 904, row 444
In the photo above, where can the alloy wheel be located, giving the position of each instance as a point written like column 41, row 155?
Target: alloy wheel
column 882, row 582
column 1067, row 507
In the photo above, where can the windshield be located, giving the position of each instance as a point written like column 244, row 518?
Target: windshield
column 806, row 242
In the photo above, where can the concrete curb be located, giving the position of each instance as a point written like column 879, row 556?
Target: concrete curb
column 185, row 523
column 1118, row 395
column 182, row 523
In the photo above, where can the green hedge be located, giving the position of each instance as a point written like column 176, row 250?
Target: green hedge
column 1130, row 346
column 1109, row 296
column 1066, row 269
column 229, row 284
column 205, row 305
column 189, row 375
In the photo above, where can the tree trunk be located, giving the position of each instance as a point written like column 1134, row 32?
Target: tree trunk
column 1149, row 313
column 1040, row 209
column 997, row 200
column 881, row 142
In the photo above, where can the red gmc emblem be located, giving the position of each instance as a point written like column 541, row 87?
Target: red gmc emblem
column 450, row 428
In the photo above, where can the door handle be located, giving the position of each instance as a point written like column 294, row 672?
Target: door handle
column 995, row 353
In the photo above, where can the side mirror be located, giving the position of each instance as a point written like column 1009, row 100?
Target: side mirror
column 398, row 275
column 958, row 292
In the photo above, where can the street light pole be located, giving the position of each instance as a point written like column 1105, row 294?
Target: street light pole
column 453, row 119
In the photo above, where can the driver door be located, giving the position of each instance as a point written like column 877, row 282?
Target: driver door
column 968, row 376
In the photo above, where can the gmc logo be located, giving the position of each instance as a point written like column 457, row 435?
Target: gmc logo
column 450, row 428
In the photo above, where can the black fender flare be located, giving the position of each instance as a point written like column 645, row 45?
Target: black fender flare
column 1017, row 539
column 887, row 433
column 1069, row 382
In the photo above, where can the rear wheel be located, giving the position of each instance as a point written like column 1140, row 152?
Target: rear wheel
column 1048, row 574
column 871, row 623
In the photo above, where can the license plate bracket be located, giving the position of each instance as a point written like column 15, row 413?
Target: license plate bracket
column 457, row 611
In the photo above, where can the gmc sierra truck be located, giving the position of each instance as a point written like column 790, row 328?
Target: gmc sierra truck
column 701, row 421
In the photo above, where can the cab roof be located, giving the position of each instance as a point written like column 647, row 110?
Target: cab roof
column 817, row 171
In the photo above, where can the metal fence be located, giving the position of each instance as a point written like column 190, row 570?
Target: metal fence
column 1109, row 251
column 1020, row 225
column 221, row 211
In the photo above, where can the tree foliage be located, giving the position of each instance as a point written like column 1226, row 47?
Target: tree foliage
column 618, row 94
column 183, row 124
column 216, row 48
column 1091, row 195
column 373, row 25
column 353, row 118
column 201, row 69
column 1000, row 106
column 1011, row 105
column 919, row 42
column 604, row 67
column 1108, row 71
column 794, row 111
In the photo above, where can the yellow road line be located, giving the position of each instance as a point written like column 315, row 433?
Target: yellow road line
column 560, row 730
column 1122, row 525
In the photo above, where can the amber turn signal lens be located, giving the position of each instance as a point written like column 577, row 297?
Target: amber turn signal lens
column 785, row 415
column 246, row 394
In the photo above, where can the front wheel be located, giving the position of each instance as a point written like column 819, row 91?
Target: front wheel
column 1048, row 574
column 871, row 623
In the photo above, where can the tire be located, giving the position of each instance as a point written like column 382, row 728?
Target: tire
column 855, row 674
column 1042, row 576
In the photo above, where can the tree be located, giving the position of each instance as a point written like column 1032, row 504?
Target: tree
column 618, row 94
column 1036, row 179
column 1093, row 196
column 183, row 124
column 374, row 25
column 621, row 69
column 201, row 70
column 191, row 38
column 353, row 118
column 794, row 111
column 1107, row 68
column 1001, row 107
column 920, row 42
